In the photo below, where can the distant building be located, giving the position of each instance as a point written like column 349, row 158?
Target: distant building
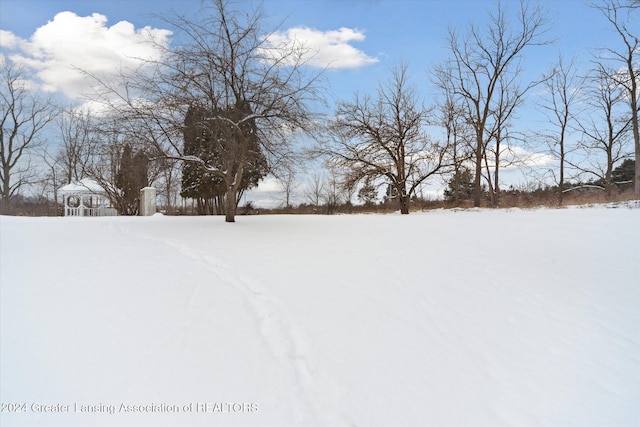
column 86, row 198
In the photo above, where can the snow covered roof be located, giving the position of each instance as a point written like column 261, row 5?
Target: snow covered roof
column 85, row 185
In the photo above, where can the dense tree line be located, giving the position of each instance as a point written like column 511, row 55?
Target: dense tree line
column 222, row 110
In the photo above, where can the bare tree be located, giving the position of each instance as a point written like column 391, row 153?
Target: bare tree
column 562, row 86
column 166, row 174
column 621, row 15
column 332, row 194
column 252, row 92
column 67, row 163
column 287, row 178
column 77, row 137
column 606, row 131
column 385, row 137
column 92, row 147
column 484, row 65
column 315, row 189
column 23, row 116
column 497, row 150
column 104, row 164
column 347, row 189
column 53, row 176
column 458, row 133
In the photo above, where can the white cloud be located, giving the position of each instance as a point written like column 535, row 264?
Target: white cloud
column 268, row 194
column 324, row 49
column 69, row 43
column 523, row 157
column 9, row 40
column 513, row 157
column 268, row 185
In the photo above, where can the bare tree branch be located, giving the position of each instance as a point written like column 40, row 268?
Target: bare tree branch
column 385, row 138
column 259, row 93
column 623, row 16
column 484, row 67
column 23, row 116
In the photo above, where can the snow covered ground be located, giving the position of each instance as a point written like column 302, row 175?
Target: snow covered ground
column 445, row 318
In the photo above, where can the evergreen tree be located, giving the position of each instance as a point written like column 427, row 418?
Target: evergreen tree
column 132, row 176
column 368, row 194
column 460, row 187
column 625, row 173
column 208, row 138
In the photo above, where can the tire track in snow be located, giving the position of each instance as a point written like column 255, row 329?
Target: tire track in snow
column 278, row 335
column 120, row 228
column 282, row 338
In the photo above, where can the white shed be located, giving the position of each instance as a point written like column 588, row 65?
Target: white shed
column 86, row 198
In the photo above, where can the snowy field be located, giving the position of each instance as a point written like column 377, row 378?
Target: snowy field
column 445, row 318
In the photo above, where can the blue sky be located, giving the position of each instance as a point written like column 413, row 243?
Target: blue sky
column 394, row 30
column 367, row 37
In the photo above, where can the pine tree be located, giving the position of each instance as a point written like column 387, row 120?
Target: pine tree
column 208, row 139
column 625, row 173
column 132, row 176
column 460, row 187
column 368, row 194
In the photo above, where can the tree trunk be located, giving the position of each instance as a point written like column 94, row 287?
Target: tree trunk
column 230, row 205
column 496, row 189
column 477, row 185
column 608, row 181
column 403, row 198
column 496, row 174
column 633, row 96
column 168, row 191
column 636, row 137
column 6, row 189
column 561, row 183
column 637, row 171
column 404, row 204
column 608, row 184
column 456, row 170
column 492, row 194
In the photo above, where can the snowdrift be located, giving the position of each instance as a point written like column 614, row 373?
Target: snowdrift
column 447, row 318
